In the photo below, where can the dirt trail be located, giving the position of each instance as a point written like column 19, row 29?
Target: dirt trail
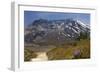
column 41, row 56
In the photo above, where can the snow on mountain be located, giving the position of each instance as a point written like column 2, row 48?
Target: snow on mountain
column 55, row 30
column 84, row 25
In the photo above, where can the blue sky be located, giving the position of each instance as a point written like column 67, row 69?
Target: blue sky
column 30, row 16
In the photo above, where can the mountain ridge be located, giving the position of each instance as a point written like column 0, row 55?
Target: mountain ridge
column 54, row 31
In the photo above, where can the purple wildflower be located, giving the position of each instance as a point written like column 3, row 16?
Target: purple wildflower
column 77, row 53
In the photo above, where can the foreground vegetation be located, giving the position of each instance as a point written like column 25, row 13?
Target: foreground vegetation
column 29, row 54
column 77, row 50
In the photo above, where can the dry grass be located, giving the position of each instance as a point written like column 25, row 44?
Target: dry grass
column 67, row 51
column 29, row 54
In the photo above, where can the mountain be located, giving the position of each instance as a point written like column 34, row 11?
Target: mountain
column 55, row 31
